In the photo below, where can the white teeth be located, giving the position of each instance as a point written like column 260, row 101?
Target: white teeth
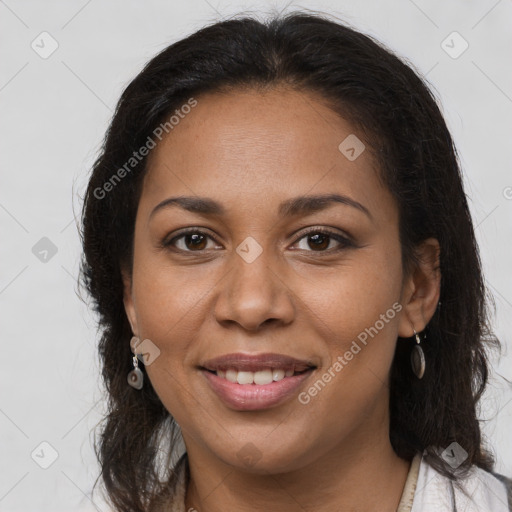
column 277, row 374
column 263, row 377
column 245, row 378
column 231, row 375
column 260, row 378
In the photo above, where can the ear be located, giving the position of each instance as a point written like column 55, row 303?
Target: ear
column 421, row 290
column 129, row 305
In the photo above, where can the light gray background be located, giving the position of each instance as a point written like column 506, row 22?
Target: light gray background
column 54, row 113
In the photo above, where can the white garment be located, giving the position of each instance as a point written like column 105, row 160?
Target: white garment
column 435, row 493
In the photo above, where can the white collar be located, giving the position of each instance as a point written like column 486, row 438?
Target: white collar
column 480, row 491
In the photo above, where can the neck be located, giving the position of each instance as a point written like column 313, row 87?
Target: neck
column 362, row 473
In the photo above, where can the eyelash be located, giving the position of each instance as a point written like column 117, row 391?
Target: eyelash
column 343, row 241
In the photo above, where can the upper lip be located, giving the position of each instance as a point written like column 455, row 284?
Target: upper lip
column 256, row 362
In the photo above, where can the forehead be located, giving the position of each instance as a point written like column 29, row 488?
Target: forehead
column 251, row 147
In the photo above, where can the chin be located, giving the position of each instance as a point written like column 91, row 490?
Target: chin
column 251, row 458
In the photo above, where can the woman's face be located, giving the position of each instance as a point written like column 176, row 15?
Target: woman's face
column 252, row 281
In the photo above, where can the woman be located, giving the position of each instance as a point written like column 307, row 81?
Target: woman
column 279, row 247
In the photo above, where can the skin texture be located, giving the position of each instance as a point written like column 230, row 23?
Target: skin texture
column 250, row 151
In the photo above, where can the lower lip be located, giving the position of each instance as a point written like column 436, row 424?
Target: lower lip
column 253, row 397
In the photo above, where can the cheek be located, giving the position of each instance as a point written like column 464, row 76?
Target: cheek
column 169, row 314
column 357, row 315
column 356, row 309
column 171, row 311
column 169, row 298
column 354, row 295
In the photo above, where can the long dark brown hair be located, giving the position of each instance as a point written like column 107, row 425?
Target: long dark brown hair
column 401, row 122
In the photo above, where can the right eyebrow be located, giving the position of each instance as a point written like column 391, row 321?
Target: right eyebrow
column 202, row 205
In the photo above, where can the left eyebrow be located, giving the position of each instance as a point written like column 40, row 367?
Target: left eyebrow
column 301, row 205
column 310, row 204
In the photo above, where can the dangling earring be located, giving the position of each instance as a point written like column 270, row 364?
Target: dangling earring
column 418, row 357
column 135, row 377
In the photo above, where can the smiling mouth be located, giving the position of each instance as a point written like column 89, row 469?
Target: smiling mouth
column 261, row 378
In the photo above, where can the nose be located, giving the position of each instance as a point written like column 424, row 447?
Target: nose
column 254, row 293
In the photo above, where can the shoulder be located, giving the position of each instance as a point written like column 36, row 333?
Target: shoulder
column 478, row 491
column 507, row 482
column 172, row 499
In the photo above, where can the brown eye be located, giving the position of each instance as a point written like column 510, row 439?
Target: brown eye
column 320, row 241
column 189, row 241
column 195, row 241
